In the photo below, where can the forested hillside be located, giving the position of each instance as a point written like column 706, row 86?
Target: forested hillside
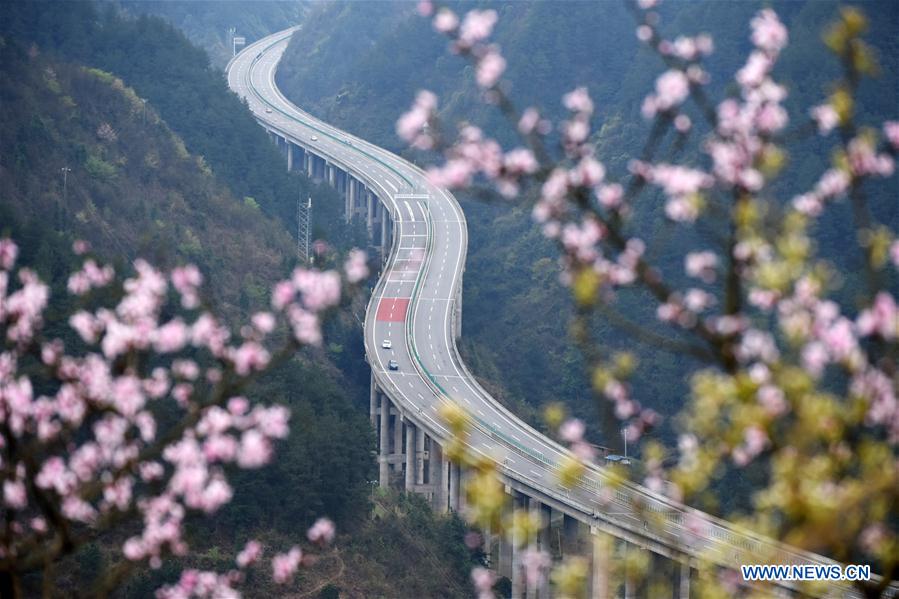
column 162, row 161
column 207, row 24
column 516, row 313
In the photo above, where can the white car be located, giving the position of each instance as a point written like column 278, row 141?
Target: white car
column 387, row 344
column 268, row 110
column 314, row 138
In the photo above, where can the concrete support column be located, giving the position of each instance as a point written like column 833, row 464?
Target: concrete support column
column 350, row 198
column 346, row 199
column 540, row 542
column 628, row 587
column 454, row 474
column 684, row 586
column 410, row 455
column 370, row 216
column 289, row 156
column 569, row 536
column 504, row 557
column 385, row 217
column 602, row 548
column 545, row 544
column 332, row 175
column 373, row 402
column 310, row 158
column 458, row 315
column 420, row 458
column 384, row 449
column 397, row 439
column 439, row 481
column 518, row 587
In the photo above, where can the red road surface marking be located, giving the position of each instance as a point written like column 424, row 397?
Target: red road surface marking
column 392, row 309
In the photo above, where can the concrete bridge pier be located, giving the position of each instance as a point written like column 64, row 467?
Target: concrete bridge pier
column 373, row 402
column 420, row 458
column 347, row 198
column 332, row 176
column 383, row 449
column 370, row 207
column 543, row 513
column 519, row 502
column 685, row 575
column 289, row 156
column 310, row 158
column 385, row 219
column 396, row 456
column 435, row 476
column 454, row 478
column 410, row 456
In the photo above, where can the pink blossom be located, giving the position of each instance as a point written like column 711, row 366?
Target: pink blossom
column 535, row 563
column 412, row 126
column 356, row 266
column 81, row 247
column 489, row 68
column 171, row 337
column 264, row 322
column 756, row 69
column 644, row 33
column 890, row 130
column 826, row 118
column 572, row 430
column 445, row 21
column 305, row 326
column 808, row 204
column 476, row 26
column 701, row 265
column 672, row 88
column 8, row 252
column 14, row 495
column 610, row 195
column 322, row 532
column 578, row 100
column 772, row 399
column 833, row 183
column 520, row 161
column 528, row 122
column 483, row 580
column 425, row 8
column 768, row 33
column 249, row 357
column 320, row 290
column 282, row 294
column 882, row 318
column 682, row 123
column 697, row 300
column 250, row 553
column 186, row 280
column 255, row 450
column 284, row 565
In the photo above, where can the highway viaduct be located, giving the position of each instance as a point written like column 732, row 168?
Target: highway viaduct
column 420, row 233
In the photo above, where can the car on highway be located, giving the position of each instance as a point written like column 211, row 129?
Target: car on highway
column 347, row 142
column 387, row 344
column 392, row 365
column 268, row 110
column 314, row 138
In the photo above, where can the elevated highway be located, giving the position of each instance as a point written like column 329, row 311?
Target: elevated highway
column 416, row 307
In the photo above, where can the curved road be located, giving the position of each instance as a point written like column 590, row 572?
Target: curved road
column 414, row 306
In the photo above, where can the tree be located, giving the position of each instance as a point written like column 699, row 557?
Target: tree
column 127, row 431
column 795, row 381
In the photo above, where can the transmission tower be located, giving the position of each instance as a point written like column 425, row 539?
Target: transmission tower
column 304, row 218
